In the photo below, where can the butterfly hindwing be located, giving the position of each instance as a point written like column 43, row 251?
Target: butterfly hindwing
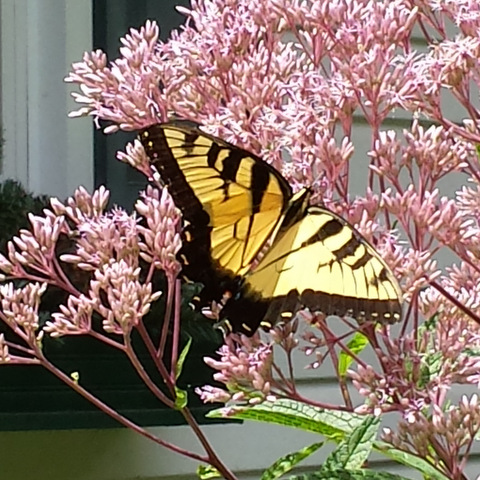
column 322, row 263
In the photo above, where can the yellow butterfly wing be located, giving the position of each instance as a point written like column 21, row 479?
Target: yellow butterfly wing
column 231, row 199
column 322, row 263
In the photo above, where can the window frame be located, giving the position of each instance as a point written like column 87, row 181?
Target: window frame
column 43, row 149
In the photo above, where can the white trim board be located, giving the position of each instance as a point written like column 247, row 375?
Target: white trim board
column 44, row 149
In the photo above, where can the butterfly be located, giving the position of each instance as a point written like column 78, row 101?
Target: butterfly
column 260, row 250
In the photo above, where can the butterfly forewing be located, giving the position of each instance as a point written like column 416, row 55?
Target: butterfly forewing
column 234, row 195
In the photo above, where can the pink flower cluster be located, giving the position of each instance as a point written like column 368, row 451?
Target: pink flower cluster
column 306, row 85
column 246, row 370
column 107, row 247
column 451, row 431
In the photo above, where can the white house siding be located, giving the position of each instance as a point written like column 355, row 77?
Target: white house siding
column 51, row 154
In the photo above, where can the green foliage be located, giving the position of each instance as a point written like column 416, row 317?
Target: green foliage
column 354, row 450
column 287, row 462
column 15, row 205
column 333, row 425
column 427, row 470
column 205, row 472
column 181, row 398
column 354, row 435
column 341, row 474
column 355, row 345
column 181, row 358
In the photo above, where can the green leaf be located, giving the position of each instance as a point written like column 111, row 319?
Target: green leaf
column 181, row 358
column 355, row 449
column 207, row 471
column 431, row 366
column 430, row 324
column 287, row 462
column 341, row 474
column 333, row 424
column 419, row 464
column 181, row 398
column 355, row 345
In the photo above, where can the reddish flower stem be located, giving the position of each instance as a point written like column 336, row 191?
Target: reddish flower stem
column 113, row 413
column 176, row 287
column 129, row 351
column 169, row 382
column 456, row 302
column 167, row 317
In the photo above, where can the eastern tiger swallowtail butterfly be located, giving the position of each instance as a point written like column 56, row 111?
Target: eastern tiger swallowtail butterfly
column 233, row 204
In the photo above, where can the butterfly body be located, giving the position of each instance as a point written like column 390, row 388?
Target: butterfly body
column 259, row 249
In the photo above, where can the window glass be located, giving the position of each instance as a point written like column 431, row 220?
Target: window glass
column 112, row 20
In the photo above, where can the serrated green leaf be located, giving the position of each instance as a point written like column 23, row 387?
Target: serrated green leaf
column 333, row 424
column 204, row 472
column 419, row 464
column 181, row 398
column 341, row 474
column 181, row 358
column 355, row 449
column 355, row 345
column 287, row 462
